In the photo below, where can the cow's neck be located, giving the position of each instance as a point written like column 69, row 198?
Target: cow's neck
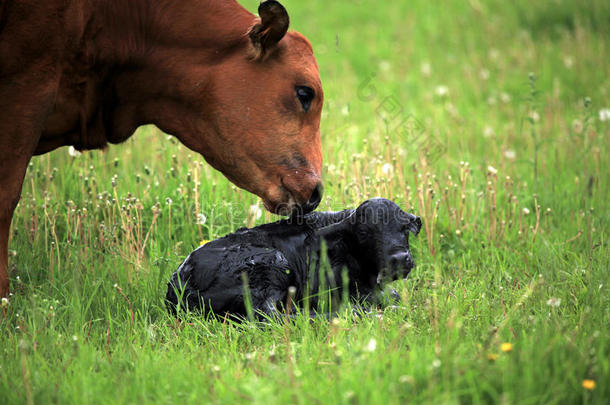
column 127, row 58
column 130, row 31
column 155, row 52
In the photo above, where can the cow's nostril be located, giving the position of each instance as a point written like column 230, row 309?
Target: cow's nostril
column 316, row 196
column 314, row 199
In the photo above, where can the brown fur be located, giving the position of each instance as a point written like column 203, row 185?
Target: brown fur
column 88, row 73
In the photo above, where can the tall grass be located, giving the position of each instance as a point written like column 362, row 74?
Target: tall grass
column 487, row 119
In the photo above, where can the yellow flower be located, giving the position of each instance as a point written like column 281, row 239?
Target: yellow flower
column 203, row 242
column 588, row 384
column 506, row 347
column 492, row 356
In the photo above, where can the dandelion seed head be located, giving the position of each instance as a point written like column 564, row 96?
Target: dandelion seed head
column 387, row 169
column 73, row 152
column 553, row 302
column 426, row 69
column 200, row 219
column 406, row 379
column 604, row 114
column 254, row 211
column 442, row 90
column 510, row 154
column 371, row 345
column 488, row 132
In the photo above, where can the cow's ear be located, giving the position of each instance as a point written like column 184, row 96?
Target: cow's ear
column 271, row 29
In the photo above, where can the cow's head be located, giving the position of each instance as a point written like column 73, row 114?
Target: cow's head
column 261, row 115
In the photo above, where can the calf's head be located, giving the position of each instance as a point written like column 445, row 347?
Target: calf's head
column 381, row 231
column 258, row 114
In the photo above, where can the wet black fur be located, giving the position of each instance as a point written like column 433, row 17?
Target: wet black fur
column 369, row 243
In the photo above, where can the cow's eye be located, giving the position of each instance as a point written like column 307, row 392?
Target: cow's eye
column 305, row 95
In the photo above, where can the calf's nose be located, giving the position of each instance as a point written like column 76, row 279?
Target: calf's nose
column 401, row 260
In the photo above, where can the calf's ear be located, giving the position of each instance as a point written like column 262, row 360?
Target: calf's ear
column 414, row 225
column 271, row 29
column 341, row 226
column 410, row 222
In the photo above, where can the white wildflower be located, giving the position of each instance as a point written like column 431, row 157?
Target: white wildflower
column 406, row 379
column 4, row 302
column 371, row 345
column 488, row 132
column 553, row 302
column 426, row 69
column 74, row 338
column 604, row 114
column 255, row 211
column 201, row 219
column 526, row 211
column 442, row 91
column 510, row 154
column 73, row 152
column 492, row 170
column 387, row 169
column 436, row 363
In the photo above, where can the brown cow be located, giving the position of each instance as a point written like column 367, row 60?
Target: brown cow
column 239, row 90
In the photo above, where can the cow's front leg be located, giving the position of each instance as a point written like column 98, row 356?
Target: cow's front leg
column 12, row 171
column 22, row 116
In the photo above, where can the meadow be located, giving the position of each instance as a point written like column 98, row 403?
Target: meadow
column 489, row 119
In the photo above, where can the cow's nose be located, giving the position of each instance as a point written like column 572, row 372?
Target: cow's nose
column 314, row 199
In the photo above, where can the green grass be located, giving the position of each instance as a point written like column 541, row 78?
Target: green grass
column 95, row 240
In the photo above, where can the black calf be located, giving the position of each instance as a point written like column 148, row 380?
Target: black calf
column 370, row 244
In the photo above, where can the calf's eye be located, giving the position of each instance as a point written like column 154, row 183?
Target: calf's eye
column 305, row 95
